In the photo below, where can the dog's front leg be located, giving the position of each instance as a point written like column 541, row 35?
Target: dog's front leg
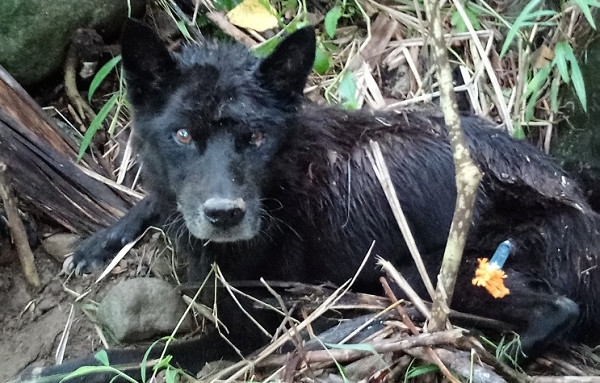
column 94, row 251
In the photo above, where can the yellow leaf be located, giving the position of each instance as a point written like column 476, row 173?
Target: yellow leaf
column 253, row 14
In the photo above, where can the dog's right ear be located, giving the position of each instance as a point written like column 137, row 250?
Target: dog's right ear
column 146, row 61
column 286, row 70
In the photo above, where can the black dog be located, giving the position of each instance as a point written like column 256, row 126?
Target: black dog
column 276, row 188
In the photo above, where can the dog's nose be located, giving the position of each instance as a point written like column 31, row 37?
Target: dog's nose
column 223, row 212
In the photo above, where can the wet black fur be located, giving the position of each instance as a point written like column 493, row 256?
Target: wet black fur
column 317, row 202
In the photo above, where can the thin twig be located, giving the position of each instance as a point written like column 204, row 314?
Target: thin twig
column 17, row 229
column 439, row 338
column 467, row 173
column 83, row 109
column 403, row 284
column 242, row 367
column 383, row 175
column 406, row 320
column 505, row 113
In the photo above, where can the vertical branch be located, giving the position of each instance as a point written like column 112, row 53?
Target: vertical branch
column 467, row 174
column 17, row 230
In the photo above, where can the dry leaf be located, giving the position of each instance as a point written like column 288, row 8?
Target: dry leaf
column 542, row 56
column 253, row 14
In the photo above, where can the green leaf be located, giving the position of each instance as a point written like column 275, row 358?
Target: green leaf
column 102, row 357
column 520, row 135
column 585, row 9
column 530, row 109
column 171, row 375
column 183, row 29
column 267, row 47
column 525, row 18
column 578, row 83
column 147, row 354
column 459, row 23
column 301, row 24
column 322, row 61
column 95, row 125
column 554, row 94
column 202, row 20
column 563, row 58
column 331, row 20
column 347, row 91
column 86, row 370
column 560, row 59
column 342, row 371
column 164, row 362
column 533, row 88
column 101, row 75
column 421, row 370
column 226, row 5
column 535, row 84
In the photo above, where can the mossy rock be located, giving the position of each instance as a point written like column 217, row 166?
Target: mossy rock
column 578, row 143
column 35, row 34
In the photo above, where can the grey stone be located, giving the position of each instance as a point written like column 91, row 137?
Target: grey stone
column 35, row 34
column 142, row 308
column 60, row 245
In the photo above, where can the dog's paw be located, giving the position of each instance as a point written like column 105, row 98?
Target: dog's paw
column 93, row 252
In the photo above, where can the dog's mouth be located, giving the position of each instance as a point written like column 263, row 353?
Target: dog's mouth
column 221, row 220
column 234, row 234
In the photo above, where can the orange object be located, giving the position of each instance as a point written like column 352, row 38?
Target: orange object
column 490, row 276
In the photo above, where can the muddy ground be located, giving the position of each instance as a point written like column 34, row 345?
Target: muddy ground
column 33, row 320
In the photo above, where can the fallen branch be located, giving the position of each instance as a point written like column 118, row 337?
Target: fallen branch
column 42, row 170
column 448, row 337
column 17, row 229
column 406, row 320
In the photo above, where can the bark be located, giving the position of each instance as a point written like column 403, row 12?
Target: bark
column 41, row 168
column 467, row 174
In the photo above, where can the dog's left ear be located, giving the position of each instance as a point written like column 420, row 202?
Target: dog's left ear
column 285, row 71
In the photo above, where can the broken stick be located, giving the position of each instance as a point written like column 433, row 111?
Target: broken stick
column 17, row 230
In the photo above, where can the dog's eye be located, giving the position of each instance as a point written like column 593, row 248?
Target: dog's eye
column 257, row 139
column 183, row 136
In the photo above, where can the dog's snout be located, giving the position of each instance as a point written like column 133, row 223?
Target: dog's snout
column 223, row 213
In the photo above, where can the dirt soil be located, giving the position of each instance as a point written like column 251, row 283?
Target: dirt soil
column 33, row 320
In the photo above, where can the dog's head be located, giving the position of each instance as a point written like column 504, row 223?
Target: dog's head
column 210, row 121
